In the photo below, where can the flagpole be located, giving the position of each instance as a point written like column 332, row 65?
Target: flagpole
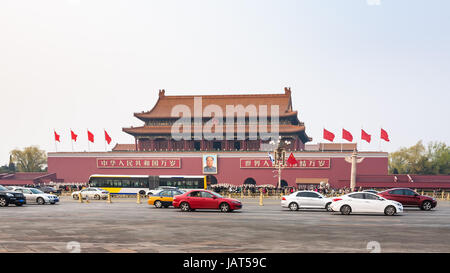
column 361, row 138
column 323, row 139
column 379, row 140
column 71, row 139
column 89, row 146
column 104, row 131
column 54, row 139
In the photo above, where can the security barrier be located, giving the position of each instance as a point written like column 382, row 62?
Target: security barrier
column 138, row 201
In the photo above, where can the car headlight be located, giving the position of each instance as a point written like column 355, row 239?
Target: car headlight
column 236, row 202
column 9, row 194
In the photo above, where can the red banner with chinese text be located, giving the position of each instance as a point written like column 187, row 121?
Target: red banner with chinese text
column 138, row 163
column 302, row 163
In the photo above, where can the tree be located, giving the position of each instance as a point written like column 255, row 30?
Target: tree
column 31, row 159
column 419, row 160
column 4, row 169
column 439, row 158
column 11, row 166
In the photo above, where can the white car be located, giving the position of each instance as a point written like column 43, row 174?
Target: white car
column 365, row 202
column 305, row 200
column 91, row 193
column 37, row 196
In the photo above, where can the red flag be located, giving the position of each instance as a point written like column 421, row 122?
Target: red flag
column 107, row 137
column 384, row 135
column 291, row 160
column 73, row 135
column 347, row 135
column 90, row 137
column 328, row 135
column 56, row 136
column 365, row 136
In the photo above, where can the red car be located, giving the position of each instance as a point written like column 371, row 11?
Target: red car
column 408, row 197
column 203, row 199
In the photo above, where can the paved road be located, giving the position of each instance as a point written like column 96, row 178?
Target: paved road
column 125, row 226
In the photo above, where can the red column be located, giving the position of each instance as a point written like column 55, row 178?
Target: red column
column 136, row 143
column 296, row 148
column 169, row 144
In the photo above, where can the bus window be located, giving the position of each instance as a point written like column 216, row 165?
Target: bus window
column 126, row 183
column 108, row 183
column 144, row 183
column 117, row 183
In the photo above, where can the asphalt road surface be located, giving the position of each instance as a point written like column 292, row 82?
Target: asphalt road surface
column 125, row 226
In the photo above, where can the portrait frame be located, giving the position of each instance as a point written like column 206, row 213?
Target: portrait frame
column 214, row 164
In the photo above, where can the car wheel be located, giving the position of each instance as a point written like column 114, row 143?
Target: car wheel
column 390, row 210
column 185, row 207
column 97, row 197
column 3, row 202
column 328, row 207
column 426, row 205
column 40, row 201
column 75, row 197
column 142, row 192
column 158, row 204
column 346, row 210
column 293, row 206
column 224, row 207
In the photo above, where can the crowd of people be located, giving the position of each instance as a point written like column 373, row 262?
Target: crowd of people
column 250, row 189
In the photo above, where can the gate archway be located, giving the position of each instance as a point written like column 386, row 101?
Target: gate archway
column 211, row 180
column 249, row 181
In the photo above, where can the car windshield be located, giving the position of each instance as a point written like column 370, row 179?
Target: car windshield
column 216, row 194
column 3, row 188
column 36, row 191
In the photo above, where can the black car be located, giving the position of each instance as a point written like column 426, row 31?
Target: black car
column 9, row 197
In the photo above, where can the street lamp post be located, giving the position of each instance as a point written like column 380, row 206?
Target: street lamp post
column 279, row 156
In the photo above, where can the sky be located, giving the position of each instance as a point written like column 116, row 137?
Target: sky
column 78, row 64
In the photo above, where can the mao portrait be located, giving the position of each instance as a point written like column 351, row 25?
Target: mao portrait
column 210, row 164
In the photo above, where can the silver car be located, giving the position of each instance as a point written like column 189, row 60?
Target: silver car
column 36, row 196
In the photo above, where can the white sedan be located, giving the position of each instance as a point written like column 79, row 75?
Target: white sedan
column 91, row 193
column 365, row 202
column 36, row 196
column 305, row 199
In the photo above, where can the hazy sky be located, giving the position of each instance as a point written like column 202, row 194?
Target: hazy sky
column 91, row 64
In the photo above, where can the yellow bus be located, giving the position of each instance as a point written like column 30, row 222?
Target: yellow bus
column 143, row 184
